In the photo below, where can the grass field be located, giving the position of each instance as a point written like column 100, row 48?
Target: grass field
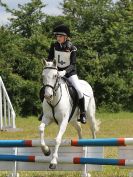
column 112, row 125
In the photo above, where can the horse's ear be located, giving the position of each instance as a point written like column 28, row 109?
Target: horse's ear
column 54, row 62
column 44, row 62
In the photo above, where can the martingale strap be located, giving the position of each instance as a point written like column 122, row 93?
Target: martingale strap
column 53, row 106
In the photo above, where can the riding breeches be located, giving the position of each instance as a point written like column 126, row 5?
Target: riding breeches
column 75, row 82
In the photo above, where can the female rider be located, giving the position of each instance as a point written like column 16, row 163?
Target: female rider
column 65, row 54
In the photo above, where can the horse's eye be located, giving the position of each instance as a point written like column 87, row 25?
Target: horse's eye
column 55, row 75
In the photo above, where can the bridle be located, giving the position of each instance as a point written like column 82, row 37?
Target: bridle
column 55, row 87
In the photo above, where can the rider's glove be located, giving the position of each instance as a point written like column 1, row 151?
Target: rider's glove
column 62, row 73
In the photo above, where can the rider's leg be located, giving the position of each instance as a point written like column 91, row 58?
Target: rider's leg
column 82, row 110
column 75, row 82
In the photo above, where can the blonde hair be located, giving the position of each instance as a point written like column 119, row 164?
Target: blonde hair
column 68, row 38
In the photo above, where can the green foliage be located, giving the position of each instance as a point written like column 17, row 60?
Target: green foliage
column 27, row 18
column 20, row 71
column 103, row 34
column 20, row 59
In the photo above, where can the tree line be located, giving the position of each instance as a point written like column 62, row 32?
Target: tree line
column 103, row 34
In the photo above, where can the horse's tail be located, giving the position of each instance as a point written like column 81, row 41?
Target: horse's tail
column 95, row 123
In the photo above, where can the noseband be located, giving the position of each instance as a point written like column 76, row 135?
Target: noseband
column 53, row 87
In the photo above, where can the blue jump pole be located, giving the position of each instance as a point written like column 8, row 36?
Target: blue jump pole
column 103, row 142
column 18, row 158
column 76, row 160
column 99, row 161
column 80, row 142
column 15, row 143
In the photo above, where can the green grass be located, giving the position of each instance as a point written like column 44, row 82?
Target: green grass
column 112, row 125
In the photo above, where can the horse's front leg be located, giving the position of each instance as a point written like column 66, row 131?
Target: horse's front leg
column 61, row 132
column 44, row 147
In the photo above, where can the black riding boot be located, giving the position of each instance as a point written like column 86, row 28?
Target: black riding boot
column 82, row 111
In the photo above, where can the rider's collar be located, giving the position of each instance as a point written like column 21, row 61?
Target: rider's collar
column 50, row 67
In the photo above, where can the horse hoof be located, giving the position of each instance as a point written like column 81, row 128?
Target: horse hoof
column 52, row 166
column 48, row 153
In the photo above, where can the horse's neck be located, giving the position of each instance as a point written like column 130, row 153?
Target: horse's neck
column 62, row 89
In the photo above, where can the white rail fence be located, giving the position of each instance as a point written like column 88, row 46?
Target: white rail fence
column 7, row 113
column 66, row 154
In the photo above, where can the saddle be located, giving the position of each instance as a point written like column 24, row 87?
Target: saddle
column 74, row 95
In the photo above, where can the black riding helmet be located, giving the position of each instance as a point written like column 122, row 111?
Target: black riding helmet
column 61, row 30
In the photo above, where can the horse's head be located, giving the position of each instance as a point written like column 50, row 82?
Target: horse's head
column 50, row 79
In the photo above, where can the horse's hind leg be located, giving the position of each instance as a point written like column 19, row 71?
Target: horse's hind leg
column 92, row 124
column 77, row 126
